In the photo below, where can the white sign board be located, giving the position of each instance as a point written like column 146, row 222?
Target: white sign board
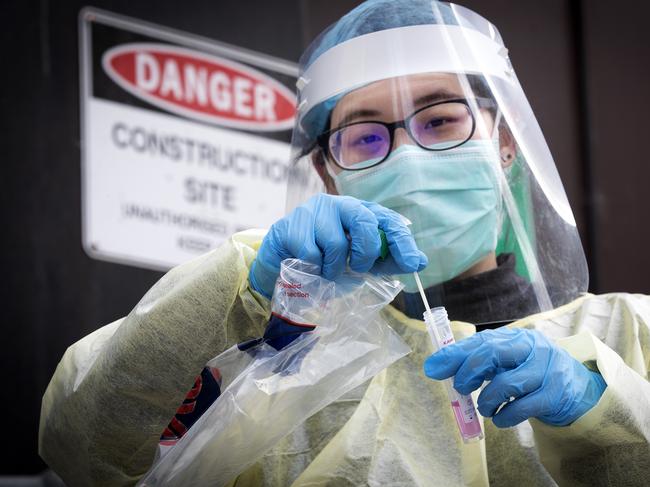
column 184, row 141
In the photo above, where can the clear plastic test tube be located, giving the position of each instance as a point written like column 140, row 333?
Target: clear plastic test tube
column 439, row 329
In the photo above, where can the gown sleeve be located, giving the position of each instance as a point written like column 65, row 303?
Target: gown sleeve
column 608, row 445
column 115, row 390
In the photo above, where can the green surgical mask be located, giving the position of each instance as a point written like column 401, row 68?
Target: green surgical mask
column 451, row 197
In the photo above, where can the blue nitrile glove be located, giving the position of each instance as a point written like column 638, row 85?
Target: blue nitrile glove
column 544, row 380
column 279, row 334
column 325, row 230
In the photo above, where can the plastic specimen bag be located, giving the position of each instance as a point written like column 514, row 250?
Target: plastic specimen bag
column 324, row 339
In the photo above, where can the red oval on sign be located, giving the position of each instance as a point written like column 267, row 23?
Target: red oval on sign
column 201, row 86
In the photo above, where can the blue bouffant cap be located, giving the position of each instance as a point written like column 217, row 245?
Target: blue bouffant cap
column 370, row 16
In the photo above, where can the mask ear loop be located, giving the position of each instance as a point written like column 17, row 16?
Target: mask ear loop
column 333, row 175
column 497, row 168
column 495, row 130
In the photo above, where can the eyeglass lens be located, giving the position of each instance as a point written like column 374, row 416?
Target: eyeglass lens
column 437, row 127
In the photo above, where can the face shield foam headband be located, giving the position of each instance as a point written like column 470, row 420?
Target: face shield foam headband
column 338, row 71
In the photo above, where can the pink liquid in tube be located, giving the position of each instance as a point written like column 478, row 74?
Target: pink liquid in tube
column 463, row 406
column 439, row 330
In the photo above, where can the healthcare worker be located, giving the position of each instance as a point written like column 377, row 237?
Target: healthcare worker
column 410, row 120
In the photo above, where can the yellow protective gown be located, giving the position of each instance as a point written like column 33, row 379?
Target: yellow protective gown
column 115, row 390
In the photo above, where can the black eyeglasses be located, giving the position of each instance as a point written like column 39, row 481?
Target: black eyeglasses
column 436, row 127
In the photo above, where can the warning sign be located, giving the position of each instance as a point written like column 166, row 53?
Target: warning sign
column 184, row 140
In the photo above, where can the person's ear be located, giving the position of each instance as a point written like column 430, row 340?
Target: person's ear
column 318, row 161
column 507, row 146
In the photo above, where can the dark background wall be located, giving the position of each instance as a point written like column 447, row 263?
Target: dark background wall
column 583, row 65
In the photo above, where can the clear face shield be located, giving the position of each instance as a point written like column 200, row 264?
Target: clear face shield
column 430, row 121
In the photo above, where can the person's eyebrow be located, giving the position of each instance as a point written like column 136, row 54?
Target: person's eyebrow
column 436, row 96
column 433, row 97
column 360, row 113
